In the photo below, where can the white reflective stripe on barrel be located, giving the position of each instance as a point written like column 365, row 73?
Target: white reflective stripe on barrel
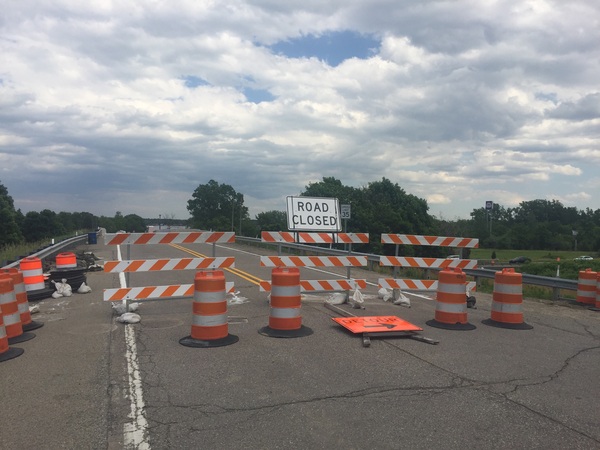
column 23, row 308
column 19, row 288
column 13, row 319
column 508, row 288
column 209, row 297
column 451, row 307
column 448, row 288
column 502, row 307
column 32, row 273
column 6, row 298
column 2, row 332
column 587, row 281
column 581, row 293
column 285, row 313
column 209, row 321
column 285, row 291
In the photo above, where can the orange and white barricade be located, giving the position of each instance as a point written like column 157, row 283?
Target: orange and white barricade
column 314, row 261
column 427, row 263
column 9, row 308
column 586, row 287
column 437, row 241
column 209, row 323
column 451, row 301
column 285, row 316
column 314, row 237
column 191, row 237
column 507, row 301
column 19, row 287
column 322, row 285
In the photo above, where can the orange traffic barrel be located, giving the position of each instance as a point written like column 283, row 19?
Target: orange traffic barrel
column 285, row 317
column 33, row 275
column 9, row 308
column 66, row 260
column 209, row 322
column 19, row 286
column 596, row 307
column 7, row 352
column 586, row 287
column 451, row 301
column 507, row 301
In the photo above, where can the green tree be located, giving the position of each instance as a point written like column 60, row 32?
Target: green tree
column 10, row 233
column 133, row 223
column 272, row 221
column 42, row 225
column 218, row 207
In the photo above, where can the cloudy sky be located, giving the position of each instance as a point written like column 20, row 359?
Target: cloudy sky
column 129, row 105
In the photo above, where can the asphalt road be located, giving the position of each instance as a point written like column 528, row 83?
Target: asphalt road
column 87, row 381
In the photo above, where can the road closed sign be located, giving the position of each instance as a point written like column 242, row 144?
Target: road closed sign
column 313, row 214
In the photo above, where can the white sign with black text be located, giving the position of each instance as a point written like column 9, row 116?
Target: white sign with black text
column 313, row 214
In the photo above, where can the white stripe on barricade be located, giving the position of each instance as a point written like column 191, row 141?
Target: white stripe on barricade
column 427, row 262
column 190, row 237
column 156, row 292
column 149, row 265
column 438, row 241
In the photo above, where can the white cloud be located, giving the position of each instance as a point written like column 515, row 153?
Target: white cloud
column 462, row 102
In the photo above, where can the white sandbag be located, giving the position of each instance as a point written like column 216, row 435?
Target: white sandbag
column 385, row 295
column 129, row 318
column 119, row 308
column 67, row 289
column 84, row 289
column 63, row 289
column 357, row 300
column 336, row 298
column 236, row 299
column 402, row 300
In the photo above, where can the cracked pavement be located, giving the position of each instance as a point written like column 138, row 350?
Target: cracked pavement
column 489, row 388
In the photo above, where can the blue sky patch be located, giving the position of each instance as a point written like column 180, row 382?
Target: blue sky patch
column 333, row 47
column 258, row 95
column 192, row 81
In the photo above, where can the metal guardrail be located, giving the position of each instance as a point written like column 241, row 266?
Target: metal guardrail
column 556, row 284
column 54, row 249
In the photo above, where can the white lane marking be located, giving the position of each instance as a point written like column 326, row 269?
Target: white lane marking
column 135, row 432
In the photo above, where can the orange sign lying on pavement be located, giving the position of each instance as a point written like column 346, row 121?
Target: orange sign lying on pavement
column 375, row 324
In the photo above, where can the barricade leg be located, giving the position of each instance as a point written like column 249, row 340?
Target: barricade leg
column 507, row 301
column 285, row 318
column 9, row 308
column 451, row 302
column 209, row 325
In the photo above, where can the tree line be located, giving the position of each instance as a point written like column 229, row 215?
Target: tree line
column 379, row 207
column 384, row 207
